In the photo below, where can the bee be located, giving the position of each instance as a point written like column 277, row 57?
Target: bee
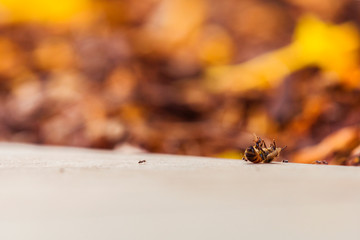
column 260, row 153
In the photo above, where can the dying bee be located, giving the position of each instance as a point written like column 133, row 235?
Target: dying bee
column 260, row 153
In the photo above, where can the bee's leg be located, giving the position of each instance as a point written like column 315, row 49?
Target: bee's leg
column 257, row 146
column 256, row 138
column 257, row 141
column 274, row 144
column 263, row 143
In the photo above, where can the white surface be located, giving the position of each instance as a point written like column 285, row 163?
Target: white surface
column 68, row 193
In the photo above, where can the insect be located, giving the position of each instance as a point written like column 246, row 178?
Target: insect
column 142, row 161
column 260, row 153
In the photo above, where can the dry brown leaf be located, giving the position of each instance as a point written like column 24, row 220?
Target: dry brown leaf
column 340, row 140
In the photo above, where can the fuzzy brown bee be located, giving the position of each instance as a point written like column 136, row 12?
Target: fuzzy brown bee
column 260, row 153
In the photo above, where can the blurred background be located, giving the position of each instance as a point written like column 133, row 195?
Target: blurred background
column 195, row 77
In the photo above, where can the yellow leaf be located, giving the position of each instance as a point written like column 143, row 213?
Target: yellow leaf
column 334, row 48
column 331, row 47
column 42, row 10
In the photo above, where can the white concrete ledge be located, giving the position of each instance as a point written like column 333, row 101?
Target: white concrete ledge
column 69, row 193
